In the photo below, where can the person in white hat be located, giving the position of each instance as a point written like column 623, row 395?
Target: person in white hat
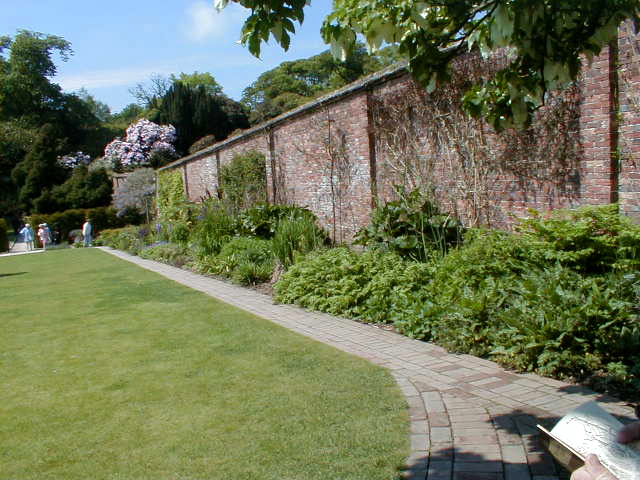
column 44, row 234
column 28, row 235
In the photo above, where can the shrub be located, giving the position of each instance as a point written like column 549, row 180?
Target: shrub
column 559, row 323
column 101, row 218
column 136, row 193
column 342, row 282
column 411, row 226
column 4, row 237
column 297, row 237
column 131, row 239
column 592, row 239
column 169, row 253
column 245, row 260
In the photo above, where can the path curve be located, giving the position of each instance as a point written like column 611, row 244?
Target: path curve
column 470, row 418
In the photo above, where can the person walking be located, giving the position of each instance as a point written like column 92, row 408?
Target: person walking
column 44, row 234
column 87, row 230
column 28, row 235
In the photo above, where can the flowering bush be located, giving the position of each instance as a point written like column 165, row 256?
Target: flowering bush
column 137, row 192
column 143, row 139
column 72, row 160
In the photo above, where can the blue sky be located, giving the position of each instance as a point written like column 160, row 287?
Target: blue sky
column 120, row 43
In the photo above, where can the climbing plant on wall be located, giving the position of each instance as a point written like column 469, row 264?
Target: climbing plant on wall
column 243, row 181
column 170, row 194
column 427, row 141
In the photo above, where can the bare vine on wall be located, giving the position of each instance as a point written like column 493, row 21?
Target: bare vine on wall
column 427, row 141
column 337, row 172
column 630, row 89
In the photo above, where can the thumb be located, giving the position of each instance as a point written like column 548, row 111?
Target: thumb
column 629, row 433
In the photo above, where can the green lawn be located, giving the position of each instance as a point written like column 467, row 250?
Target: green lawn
column 108, row 371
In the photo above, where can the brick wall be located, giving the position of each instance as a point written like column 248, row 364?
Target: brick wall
column 331, row 156
column 629, row 121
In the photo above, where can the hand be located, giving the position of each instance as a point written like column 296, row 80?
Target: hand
column 629, row 433
column 592, row 470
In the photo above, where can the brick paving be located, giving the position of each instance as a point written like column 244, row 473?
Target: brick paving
column 20, row 248
column 470, row 418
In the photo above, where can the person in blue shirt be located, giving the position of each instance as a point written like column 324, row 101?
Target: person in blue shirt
column 28, row 235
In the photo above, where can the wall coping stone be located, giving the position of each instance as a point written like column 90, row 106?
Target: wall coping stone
column 381, row 76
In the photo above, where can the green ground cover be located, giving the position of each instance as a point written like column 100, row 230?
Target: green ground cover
column 110, row 371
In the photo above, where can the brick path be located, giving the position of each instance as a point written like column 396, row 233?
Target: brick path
column 20, row 248
column 470, row 418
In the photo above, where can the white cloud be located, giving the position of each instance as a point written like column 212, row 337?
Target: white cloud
column 109, row 78
column 204, row 22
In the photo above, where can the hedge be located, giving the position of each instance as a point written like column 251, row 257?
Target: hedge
column 101, row 218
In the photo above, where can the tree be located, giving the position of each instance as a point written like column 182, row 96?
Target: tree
column 128, row 114
column 16, row 139
column 197, row 79
column 136, row 193
column 292, row 84
column 547, row 40
column 39, row 171
column 99, row 109
column 195, row 113
column 32, row 108
column 84, row 189
column 147, row 95
column 25, row 89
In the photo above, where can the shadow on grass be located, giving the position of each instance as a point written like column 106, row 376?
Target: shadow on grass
column 11, row 274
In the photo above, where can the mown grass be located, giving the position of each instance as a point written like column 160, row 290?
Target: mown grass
column 109, row 371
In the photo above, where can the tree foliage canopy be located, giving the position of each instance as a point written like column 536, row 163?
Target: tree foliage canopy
column 547, row 39
column 292, row 84
column 195, row 112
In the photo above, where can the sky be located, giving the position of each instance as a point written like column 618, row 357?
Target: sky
column 118, row 44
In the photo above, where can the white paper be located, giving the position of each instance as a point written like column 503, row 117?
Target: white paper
column 590, row 429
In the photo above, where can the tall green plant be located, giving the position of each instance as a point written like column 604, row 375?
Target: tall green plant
column 297, row 237
column 215, row 228
column 411, row 226
column 244, row 181
column 171, row 198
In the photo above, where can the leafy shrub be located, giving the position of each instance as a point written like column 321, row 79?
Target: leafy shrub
column 169, row 253
column 245, row 260
column 101, row 218
column 297, row 236
column 560, row 323
column 342, row 282
column 411, row 226
column 262, row 219
column 592, row 239
column 4, row 237
column 213, row 231
column 84, row 189
column 131, row 239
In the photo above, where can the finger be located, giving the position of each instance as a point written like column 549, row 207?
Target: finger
column 629, row 433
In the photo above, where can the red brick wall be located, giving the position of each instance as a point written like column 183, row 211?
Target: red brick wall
column 629, row 120
column 329, row 157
